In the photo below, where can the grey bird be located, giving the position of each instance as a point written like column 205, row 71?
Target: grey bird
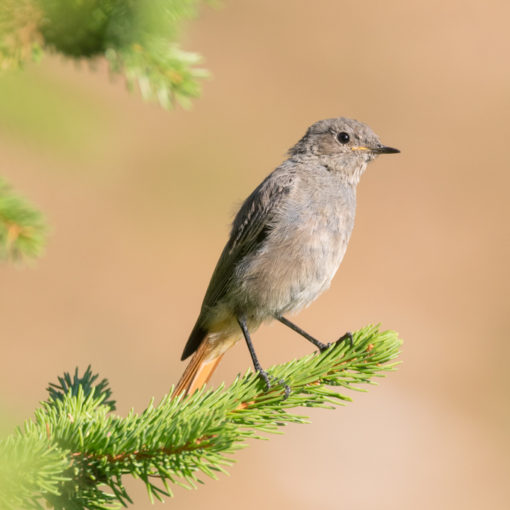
column 286, row 244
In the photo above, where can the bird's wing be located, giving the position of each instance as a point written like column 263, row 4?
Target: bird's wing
column 250, row 228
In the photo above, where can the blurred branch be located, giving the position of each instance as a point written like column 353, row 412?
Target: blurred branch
column 138, row 39
column 74, row 453
column 22, row 228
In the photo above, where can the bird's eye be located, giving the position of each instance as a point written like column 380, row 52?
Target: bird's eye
column 343, row 137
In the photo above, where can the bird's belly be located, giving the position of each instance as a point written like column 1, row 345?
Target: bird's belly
column 287, row 276
column 311, row 275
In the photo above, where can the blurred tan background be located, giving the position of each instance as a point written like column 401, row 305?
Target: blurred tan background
column 140, row 201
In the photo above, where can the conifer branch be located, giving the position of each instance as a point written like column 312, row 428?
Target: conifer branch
column 138, row 39
column 87, row 450
column 22, row 228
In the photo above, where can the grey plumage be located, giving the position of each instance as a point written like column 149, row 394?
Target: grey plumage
column 289, row 236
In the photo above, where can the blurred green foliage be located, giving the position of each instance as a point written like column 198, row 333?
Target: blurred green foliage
column 22, row 228
column 19, row 40
column 138, row 39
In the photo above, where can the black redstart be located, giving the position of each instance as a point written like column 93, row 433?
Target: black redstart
column 286, row 244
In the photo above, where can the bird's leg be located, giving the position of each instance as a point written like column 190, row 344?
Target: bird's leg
column 322, row 347
column 303, row 333
column 256, row 362
column 249, row 343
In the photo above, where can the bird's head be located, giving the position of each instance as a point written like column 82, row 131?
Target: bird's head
column 343, row 145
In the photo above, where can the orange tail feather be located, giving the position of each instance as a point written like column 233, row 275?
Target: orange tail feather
column 198, row 371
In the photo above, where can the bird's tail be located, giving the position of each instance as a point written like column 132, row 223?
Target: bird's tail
column 199, row 370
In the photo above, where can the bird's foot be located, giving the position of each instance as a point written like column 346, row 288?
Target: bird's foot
column 265, row 376
column 344, row 338
column 286, row 388
column 325, row 347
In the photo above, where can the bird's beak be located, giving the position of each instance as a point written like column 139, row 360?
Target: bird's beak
column 381, row 149
column 384, row 149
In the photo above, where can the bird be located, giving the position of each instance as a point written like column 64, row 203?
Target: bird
column 286, row 243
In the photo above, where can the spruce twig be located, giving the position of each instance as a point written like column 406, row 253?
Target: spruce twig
column 90, row 450
column 137, row 39
column 22, row 228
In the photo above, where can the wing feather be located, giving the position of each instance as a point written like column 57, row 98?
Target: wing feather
column 250, row 228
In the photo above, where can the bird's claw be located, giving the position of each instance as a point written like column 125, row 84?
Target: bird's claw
column 286, row 389
column 347, row 337
column 267, row 380
column 265, row 376
column 344, row 338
